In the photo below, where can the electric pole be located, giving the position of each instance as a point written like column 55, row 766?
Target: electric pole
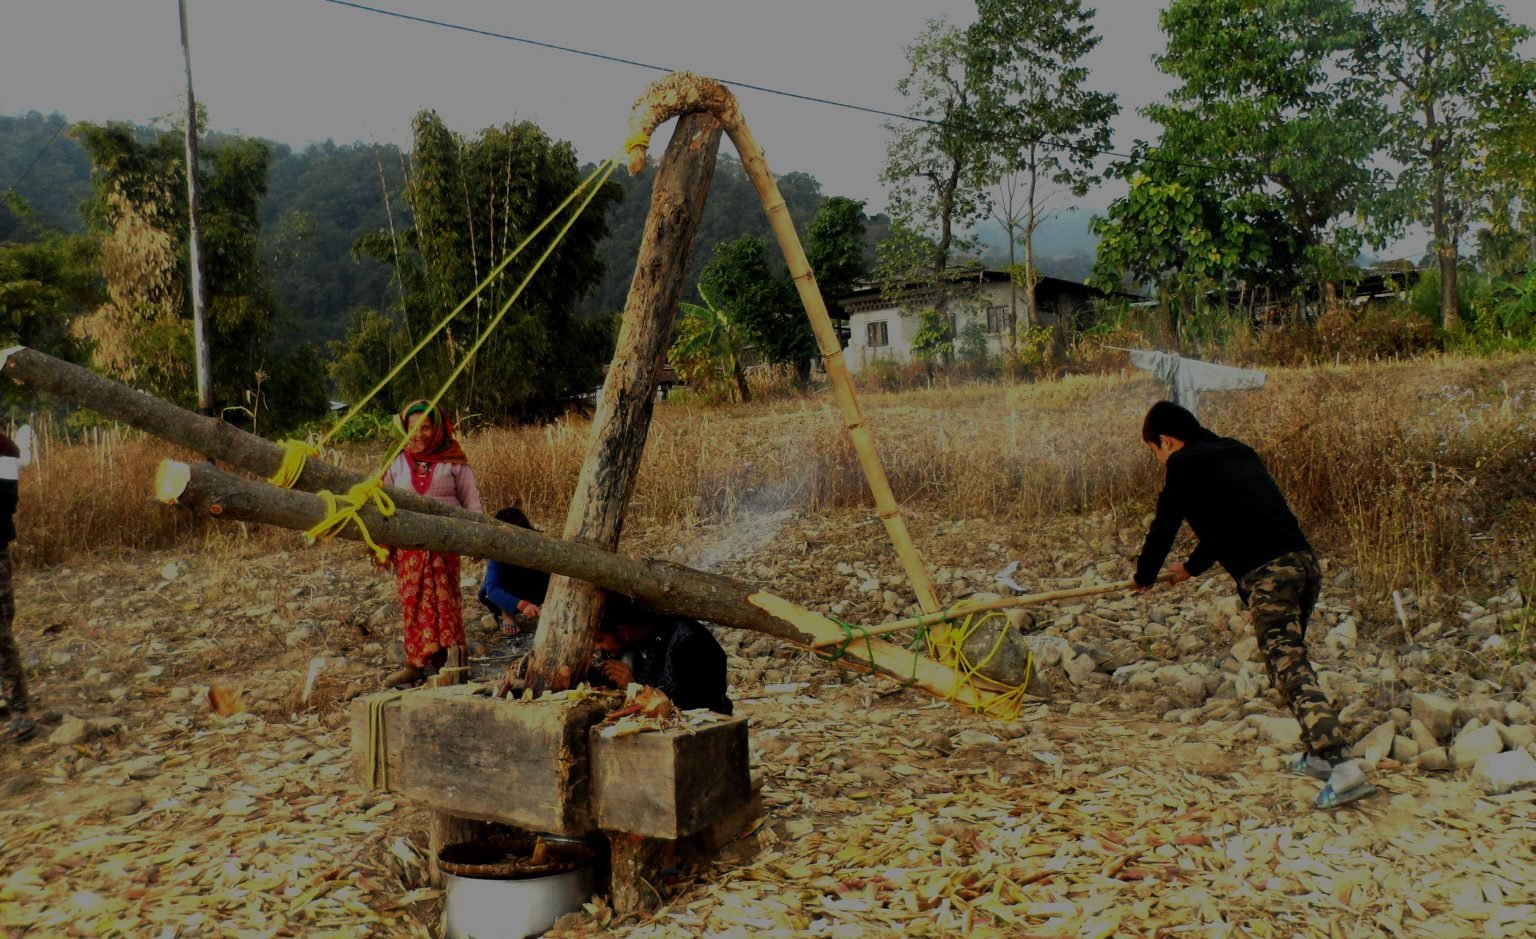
column 195, row 240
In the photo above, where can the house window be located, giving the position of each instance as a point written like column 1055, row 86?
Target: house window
column 997, row 320
column 875, row 334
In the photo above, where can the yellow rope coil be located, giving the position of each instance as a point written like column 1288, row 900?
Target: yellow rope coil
column 949, row 648
column 296, row 454
column 342, row 510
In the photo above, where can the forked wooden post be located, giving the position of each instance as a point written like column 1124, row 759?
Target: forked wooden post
column 570, row 616
column 681, row 93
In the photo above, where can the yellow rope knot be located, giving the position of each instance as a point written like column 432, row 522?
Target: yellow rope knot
column 342, row 510
column 639, row 139
column 296, row 453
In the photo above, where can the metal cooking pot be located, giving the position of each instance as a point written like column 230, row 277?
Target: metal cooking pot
column 495, row 891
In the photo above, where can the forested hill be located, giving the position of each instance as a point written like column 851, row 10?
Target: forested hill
column 321, row 199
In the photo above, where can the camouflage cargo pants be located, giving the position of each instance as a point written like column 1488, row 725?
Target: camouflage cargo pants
column 1280, row 597
column 13, row 684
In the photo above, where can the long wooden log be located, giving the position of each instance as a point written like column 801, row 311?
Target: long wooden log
column 668, row 587
column 206, row 435
column 562, row 648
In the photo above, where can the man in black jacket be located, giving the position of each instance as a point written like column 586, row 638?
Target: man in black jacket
column 676, row 655
column 1220, row 486
column 13, row 681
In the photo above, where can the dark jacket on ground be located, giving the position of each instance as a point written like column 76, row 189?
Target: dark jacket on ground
column 1220, row 486
column 683, row 660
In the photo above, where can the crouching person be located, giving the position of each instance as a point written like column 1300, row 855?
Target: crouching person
column 675, row 655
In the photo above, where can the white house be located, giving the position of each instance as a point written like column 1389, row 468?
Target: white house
column 879, row 329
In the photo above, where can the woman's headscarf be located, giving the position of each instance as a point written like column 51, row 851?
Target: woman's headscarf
column 443, row 447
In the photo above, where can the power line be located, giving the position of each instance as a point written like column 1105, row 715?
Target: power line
column 814, row 99
column 28, row 171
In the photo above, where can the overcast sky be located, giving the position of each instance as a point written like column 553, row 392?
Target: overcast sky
column 298, row 71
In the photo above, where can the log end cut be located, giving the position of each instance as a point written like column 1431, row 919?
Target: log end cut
column 171, row 480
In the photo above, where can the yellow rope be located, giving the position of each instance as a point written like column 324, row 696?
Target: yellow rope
column 378, row 760
column 295, row 454
column 495, row 272
column 342, row 510
column 637, row 139
column 949, row 649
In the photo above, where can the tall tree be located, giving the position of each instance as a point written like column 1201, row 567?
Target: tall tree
column 1276, row 96
column 474, row 199
column 937, row 166
column 742, row 280
column 835, row 247
column 143, row 332
column 1448, row 66
column 1029, row 55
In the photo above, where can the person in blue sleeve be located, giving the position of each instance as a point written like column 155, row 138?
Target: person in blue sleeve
column 510, row 591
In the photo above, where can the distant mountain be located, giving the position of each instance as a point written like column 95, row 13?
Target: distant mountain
column 1064, row 246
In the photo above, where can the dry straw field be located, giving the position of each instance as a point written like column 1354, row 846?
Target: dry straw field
column 1418, row 474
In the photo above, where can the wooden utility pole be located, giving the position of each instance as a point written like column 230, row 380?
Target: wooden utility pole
column 571, row 613
column 195, row 240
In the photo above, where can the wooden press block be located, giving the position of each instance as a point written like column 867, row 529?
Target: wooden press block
column 670, row 783
column 520, row 763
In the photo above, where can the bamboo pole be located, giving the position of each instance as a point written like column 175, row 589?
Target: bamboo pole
column 681, row 93
column 1002, row 603
column 664, row 586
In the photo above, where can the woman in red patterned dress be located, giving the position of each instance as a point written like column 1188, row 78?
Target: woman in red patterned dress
column 434, row 465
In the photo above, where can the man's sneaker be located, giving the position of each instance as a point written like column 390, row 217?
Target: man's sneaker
column 1345, row 784
column 1309, row 764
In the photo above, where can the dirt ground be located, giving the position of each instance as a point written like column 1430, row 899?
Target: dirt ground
column 1102, row 811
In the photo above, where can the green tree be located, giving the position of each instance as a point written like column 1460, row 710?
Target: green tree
column 44, row 287
column 937, row 167
column 742, row 280
column 1179, row 232
column 472, row 201
column 1031, row 54
column 1277, row 97
column 142, row 332
column 1448, row 65
column 835, row 246
column 709, row 347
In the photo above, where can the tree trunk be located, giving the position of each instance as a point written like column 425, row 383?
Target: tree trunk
column 1013, row 296
column 563, row 645
column 1031, row 314
column 1445, row 252
column 205, row 435
column 743, row 393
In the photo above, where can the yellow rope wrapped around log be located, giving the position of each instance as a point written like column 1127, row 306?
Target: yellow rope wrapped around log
column 342, row 510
